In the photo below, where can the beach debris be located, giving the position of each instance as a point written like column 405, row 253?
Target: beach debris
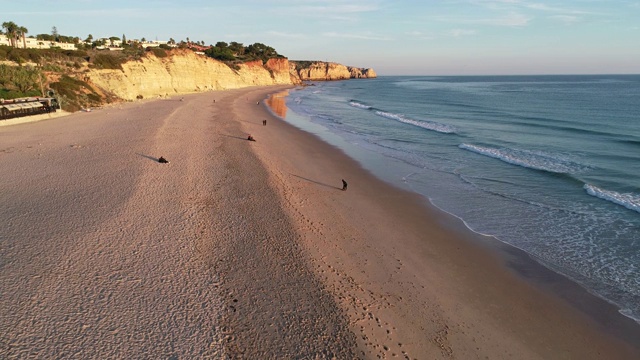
column 250, row 138
column 163, row 160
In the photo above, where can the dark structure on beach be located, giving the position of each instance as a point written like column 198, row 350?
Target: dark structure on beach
column 10, row 109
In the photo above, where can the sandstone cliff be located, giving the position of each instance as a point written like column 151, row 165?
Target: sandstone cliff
column 321, row 71
column 186, row 72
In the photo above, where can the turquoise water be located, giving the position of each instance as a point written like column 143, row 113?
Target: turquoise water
column 548, row 164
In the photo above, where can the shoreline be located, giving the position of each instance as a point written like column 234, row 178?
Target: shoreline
column 251, row 249
column 534, row 270
column 559, row 286
column 544, row 282
column 493, row 242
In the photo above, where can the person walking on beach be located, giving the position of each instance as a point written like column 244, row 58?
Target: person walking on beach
column 344, row 185
column 264, row 122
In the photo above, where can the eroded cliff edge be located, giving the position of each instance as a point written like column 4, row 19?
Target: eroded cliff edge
column 187, row 72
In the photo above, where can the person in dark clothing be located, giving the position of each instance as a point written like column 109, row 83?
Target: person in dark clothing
column 344, row 185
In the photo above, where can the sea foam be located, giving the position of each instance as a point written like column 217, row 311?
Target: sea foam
column 428, row 125
column 537, row 160
column 629, row 200
column 359, row 105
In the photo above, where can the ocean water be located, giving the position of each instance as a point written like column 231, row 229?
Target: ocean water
column 548, row 164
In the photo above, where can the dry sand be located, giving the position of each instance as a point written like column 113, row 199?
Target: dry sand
column 33, row 118
column 239, row 249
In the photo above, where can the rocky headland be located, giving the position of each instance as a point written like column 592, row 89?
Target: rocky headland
column 324, row 71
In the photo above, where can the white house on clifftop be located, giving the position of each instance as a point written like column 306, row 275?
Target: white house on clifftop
column 33, row 43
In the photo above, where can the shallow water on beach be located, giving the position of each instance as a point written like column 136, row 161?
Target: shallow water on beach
column 548, row 164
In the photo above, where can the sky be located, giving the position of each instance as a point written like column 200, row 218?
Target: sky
column 401, row 37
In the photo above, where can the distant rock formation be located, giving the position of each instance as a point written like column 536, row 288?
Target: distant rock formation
column 362, row 73
column 323, row 71
column 186, row 72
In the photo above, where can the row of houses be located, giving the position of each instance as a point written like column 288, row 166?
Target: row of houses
column 33, row 43
column 117, row 44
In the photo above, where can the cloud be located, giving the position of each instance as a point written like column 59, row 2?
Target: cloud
column 335, row 10
column 521, row 12
column 286, row 34
column 541, row 7
column 509, row 20
column 565, row 19
column 547, row 8
column 495, row 4
column 461, row 32
column 332, row 10
column 512, row 19
column 564, row 15
column 357, row 36
column 420, row 35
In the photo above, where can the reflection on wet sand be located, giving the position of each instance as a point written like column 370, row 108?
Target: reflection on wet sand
column 277, row 104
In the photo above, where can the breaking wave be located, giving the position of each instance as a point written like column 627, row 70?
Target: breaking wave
column 629, row 200
column 428, row 125
column 537, row 160
column 359, row 105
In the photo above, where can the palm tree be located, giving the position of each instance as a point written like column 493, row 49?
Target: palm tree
column 22, row 31
column 11, row 29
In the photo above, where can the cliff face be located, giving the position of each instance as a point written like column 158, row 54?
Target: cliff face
column 186, row 72
column 321, row 71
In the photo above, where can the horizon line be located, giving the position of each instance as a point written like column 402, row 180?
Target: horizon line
column 550, row 74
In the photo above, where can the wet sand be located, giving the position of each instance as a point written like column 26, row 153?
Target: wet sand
column 239, row 249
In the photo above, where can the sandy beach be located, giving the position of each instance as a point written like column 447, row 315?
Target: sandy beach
column 241, row 249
